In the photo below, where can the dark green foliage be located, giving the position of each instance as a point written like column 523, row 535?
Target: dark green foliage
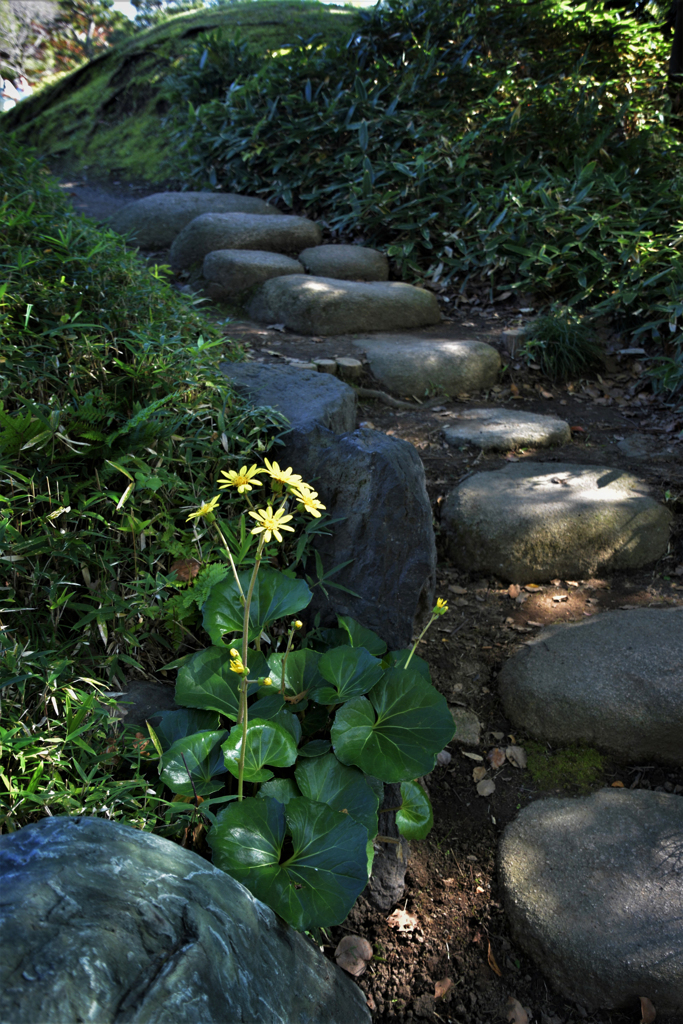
column 525, row 146
column 563, row 345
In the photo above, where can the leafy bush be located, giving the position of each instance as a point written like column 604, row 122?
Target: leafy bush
column 315, row 731
column 564, row 346
column 513, row 146
column 113, row 417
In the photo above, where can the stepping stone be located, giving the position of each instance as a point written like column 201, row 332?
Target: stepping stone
column 419, row 366
column 156, row 220
column 212, row 231
column 101, row 922
column 307, row 398
column 529, row 522
column 324, row 305
column 505, row 429
column 593, row 893
column 346, row 262
column 231, row 272
column 614, row 681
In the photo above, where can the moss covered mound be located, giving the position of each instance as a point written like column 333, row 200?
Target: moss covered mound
column 107, row 117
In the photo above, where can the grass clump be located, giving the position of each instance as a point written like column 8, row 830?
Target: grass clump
column 575, row 768
column 563, row 345
column 114, row 422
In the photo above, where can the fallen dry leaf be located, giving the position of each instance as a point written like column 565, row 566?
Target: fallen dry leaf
column 442, row 987
column 492, row 963
column 486, row 787
column 560, row 597
column 647, row 1011
column 533, row 587
column 546, row 394
column 479, row 773
column 372, row 1005
column 496, row 757
column 516, row 756
column 530, row 622
column 403, row 921
column 454, row 589
column 617, row 785
column 471, row 755
column 516, row 1012
column 513, row 590
column 352, row 954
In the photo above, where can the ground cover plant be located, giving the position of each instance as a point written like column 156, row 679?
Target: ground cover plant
column 113, row 418
column 318, row 727
column 486, row 147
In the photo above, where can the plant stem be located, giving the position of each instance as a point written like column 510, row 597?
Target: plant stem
column 414, row 647
column 244, row 715
column 284, row 660
column 230, row 559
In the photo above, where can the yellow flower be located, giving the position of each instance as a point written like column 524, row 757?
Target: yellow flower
column 282, row 476
column 237, row 664
column 204, row 510
column 267, row 681
column 309, row 499
column 440, row 608
column 242, row 479
column 298, row 624
column 270, row 523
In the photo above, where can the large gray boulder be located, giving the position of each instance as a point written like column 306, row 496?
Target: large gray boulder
column 593, row 893
column 346, row 262
column 506, row 429
column 531, row 522
column 614, row 681
column 212, row 231
column 324, row 305
column 307, row 398
column 231, row 272
column 101, row 922
column 155, row 220
column 375, row 486
column 419, row 366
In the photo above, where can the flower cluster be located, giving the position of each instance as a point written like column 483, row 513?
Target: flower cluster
column 270, row 521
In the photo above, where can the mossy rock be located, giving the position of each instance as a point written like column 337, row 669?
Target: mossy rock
column 107, row 117
column 574, row 768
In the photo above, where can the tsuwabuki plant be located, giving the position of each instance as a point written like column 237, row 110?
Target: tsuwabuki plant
column 296, row 741
column 563, row 345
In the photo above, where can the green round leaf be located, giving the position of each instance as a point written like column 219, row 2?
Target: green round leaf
column 396, row 731
column 275, row 596
column 198, row 755
column 205, row 681
column 174, row 725
column 359, row 636
column 415, row 817
column 301, row 670
column 283, row 790
column 316, row 748
column 397, row 659
column 345, row 789
column 268, row 743
column 316, row 883
column 351, row 671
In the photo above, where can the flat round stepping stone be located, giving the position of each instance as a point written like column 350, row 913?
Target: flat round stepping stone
column 418, row 366
column 231, row 272
column 307, row 398
column 325, row 305
column 506, row 429
column 614, row 681
column 593, row 892
column 346, row 262
column 529, row 522
column 212, row 231
column 156, row 220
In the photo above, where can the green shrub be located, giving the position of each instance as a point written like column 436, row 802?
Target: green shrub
column 113, row 418
column 517, row 146
column 563, row 345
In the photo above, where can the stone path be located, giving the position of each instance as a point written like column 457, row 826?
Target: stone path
column 592, row 885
